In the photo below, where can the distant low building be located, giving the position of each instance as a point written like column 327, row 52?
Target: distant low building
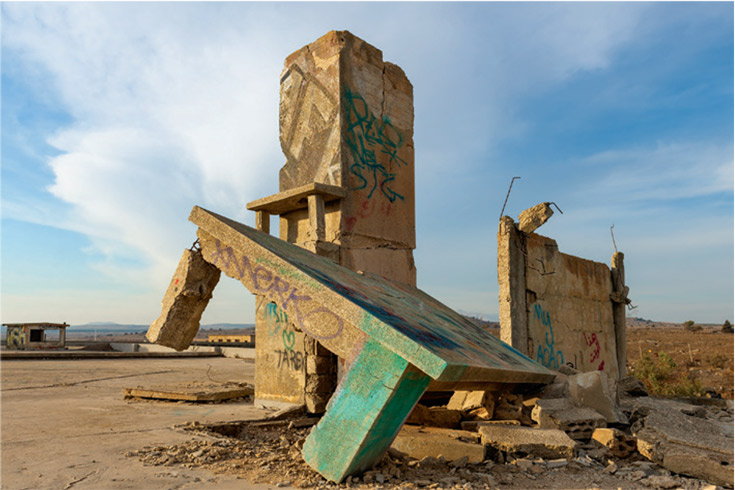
column 231, row 339
column 30, row 336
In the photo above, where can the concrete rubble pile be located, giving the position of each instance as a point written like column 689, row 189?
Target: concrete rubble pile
column 580, row 417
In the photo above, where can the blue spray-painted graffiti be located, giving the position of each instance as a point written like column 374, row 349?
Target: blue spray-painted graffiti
column 277, row 320
column 367, row 134
column 545, row 354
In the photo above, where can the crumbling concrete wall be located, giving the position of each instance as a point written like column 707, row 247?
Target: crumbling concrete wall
column 556, row 308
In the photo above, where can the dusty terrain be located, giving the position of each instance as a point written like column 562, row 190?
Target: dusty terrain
column 706, row 355
column 65, row 424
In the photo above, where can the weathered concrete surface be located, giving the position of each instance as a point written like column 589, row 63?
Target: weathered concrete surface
column 346, row 119
column 184, row 302
column 280, row 347
column 616, row 441
column 532, row 218
column 519, row 440
column 685, row 444
column 557, row 308
column 560, row 413
column 435, row 417
column 425, row 442
column 474, row 404
column 394, row 337
column 512, row 286
column 620, row 299
column 347, row 188
column 594, row 390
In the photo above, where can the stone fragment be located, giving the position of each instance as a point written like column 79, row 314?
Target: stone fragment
column 478, row 405
column 559, row 413
column 509, row 407
column 319, row 365
column 687, row 445
column 616, row 441
column 453, row 445
column 523, row 441
column 659, row 481
column 532, row 218
column 631, row 386
column 559, row 388
column 435, row 417
column 592, row 390
column 186, row 298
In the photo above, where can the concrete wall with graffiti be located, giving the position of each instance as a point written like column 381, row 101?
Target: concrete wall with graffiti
column 281, row 349
column 567, row 304
column 346, row 119
column 16, row 338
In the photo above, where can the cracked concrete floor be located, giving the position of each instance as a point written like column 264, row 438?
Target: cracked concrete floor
column 66, row 425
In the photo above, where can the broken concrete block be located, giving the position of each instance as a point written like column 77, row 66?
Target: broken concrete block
column 453, row 445
column 620, row 444
column 474, row 425
column 527, row 441
column 509, row 407
column 186, row 298
column 478, row 405
column 559, row 413
column 592, row 390
column 530, row 219
column 631, row 386
column 687, row 445
column 435, row 417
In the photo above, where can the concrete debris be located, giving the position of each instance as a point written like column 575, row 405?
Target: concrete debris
column 453, row 445
column 435, row 417
column 478, row 405
column 560, row 413
column 657, row 481
column 685, row 444
column 514, row 440
column 186, row 298
column 631, row 386
column 532, row 218
column 592, row 390
column 509, row 407
column 616, row 441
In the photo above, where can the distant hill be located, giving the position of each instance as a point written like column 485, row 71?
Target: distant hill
column 112, row 327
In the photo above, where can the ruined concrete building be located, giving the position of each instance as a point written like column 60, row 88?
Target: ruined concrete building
column 346, row 193
column 556, row 308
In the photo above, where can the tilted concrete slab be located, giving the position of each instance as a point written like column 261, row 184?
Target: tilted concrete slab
column 394, row 338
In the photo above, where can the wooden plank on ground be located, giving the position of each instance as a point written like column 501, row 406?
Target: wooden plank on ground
column 189, row 394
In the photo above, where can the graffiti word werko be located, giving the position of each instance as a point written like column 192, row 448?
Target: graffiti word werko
column 303, row 311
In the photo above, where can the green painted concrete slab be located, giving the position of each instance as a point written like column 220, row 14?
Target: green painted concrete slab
column 407, row 321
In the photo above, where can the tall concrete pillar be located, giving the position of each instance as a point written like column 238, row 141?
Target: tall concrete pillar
column 346, row 191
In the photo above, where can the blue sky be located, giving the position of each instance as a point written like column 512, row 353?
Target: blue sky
column 117, row 118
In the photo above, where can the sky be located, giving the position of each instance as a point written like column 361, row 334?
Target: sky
column 118, row 118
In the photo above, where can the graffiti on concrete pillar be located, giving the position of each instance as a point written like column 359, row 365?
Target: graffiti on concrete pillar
column 368, row 137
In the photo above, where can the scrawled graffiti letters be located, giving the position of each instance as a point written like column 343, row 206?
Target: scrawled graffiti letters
column 367, row 135
column 545, row 354
column 278, row 324
column 290, row 359
column 304, row 311
column 592, row 341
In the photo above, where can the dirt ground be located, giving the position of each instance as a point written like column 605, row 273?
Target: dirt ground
column 65, row 424
column 706, row 355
